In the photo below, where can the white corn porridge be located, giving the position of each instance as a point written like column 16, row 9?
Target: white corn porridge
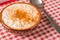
column 20, row 16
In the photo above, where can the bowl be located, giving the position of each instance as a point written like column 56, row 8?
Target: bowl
column 20, row 16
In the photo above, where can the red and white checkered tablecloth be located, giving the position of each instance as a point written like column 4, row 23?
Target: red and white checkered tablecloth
column 53, row 9
column 43, row 31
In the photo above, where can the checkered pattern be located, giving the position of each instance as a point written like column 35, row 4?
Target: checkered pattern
column 43, row 31
column 53, row 9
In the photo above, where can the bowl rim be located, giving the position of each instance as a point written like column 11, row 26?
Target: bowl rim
column 36, row 23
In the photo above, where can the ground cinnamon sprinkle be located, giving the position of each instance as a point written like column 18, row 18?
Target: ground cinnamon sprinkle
column 20, row 14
